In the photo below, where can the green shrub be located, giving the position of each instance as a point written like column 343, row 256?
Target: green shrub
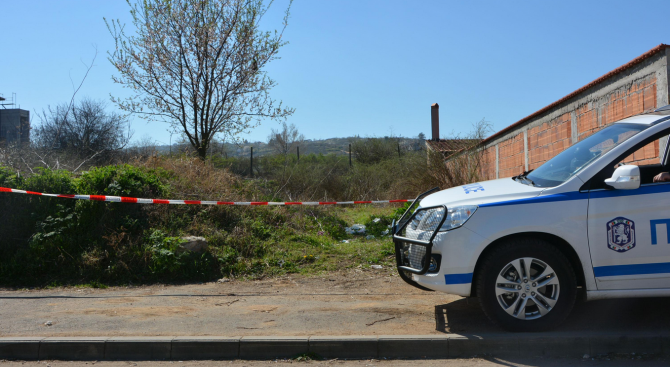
column 170, row 261
column 124, row 180
column 378, row 225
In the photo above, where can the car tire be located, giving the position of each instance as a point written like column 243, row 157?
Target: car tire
column 526, row 284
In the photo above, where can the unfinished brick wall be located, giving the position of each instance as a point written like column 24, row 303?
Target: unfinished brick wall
column 550, row 138
column 641, row 98
column 488, row 164
column 511, row 156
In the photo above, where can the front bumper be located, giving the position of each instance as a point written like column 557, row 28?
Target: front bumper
column 459, row 250
column 456, row 249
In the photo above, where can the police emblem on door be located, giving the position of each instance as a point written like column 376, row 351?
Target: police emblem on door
column 620, row 234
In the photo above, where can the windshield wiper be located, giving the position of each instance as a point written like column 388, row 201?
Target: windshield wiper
column 529, row 180
column 523, row 176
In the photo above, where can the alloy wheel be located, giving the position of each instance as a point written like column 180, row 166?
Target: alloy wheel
column 527, row 288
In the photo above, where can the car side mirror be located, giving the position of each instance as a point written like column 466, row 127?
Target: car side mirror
column 625, row 178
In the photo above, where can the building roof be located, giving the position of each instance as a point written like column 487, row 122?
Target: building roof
column 451, row 145
column 616, row 71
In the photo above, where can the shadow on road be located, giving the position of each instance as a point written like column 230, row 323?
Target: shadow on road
column 648, row 315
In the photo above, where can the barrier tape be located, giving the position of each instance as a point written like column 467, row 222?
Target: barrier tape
column 121, row 199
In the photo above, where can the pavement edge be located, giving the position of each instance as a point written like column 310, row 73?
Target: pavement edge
column 342, row 347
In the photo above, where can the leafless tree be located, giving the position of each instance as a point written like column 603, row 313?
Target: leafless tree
column 285, row 140
column 464, row 166
column 82, row 129
column 199, row 65
column 143, row 148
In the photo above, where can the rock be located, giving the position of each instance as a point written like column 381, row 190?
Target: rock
column 376, row 266
column 48, row 323
column 194, row 244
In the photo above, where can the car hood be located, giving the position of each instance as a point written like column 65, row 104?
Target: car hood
column 479, row 193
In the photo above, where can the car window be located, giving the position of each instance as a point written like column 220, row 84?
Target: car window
column 572, row 160
column 647, row 158
column 648, row 154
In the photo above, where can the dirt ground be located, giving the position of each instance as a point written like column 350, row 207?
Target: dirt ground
column 353, row 302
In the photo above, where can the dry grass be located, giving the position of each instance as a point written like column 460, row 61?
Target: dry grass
column 194, row 179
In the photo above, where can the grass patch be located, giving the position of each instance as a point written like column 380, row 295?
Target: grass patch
column 52, row 242
column 305, row 357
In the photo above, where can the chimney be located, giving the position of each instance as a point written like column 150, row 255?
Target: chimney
column 435, row 121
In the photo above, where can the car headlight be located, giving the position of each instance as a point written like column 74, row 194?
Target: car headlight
column 457, row 216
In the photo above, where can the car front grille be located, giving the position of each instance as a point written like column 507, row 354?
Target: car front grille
column 421, row 226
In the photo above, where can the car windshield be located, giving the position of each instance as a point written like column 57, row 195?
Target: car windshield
column 566, row 164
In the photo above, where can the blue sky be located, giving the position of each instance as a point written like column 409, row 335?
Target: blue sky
column 363, row 67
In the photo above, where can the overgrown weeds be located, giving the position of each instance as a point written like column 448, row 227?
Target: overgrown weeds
column 54, row 241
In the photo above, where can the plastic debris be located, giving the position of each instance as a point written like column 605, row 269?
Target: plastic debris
column 385, row 232
column 376, row 266
column 376, row 220
column 355, row 229
column 48, row 323
column 369, row 237
column 223, row 280
column 345, row 241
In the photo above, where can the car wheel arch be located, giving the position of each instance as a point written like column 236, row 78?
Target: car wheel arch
column 562, row 245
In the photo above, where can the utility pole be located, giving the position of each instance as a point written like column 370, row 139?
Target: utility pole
column 298, row 148
column 251, row 163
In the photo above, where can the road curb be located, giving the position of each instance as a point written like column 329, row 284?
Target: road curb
column 342, row 347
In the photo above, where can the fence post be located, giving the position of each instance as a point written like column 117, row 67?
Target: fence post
column 298, row 148
column 398, row 150
column 349, row 154
column 251, row 163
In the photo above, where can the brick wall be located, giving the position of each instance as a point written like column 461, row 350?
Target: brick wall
column 511, row 156
column 551, row 134
column 548, row 139
column 488, row 164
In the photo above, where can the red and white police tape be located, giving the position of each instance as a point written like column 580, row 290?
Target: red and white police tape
column 121, row 199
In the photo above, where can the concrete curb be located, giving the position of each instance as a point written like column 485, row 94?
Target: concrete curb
column 342, row 347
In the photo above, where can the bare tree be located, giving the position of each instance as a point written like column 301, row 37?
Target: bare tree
column 463, row 166
column 83, row 129
column 198, row 64
column 143, row 148
column 285, row 140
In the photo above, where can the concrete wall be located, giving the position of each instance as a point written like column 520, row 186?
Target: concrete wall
column 637, row 89
column 14, row 126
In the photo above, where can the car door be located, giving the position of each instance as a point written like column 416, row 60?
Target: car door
column 629, row 230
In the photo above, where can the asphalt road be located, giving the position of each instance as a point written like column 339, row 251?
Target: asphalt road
column 356, row 302
column 615, row 361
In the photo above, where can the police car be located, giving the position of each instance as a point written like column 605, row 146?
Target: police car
column 582, row 223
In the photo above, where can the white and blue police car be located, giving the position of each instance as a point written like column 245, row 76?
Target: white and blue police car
column 527, row 246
